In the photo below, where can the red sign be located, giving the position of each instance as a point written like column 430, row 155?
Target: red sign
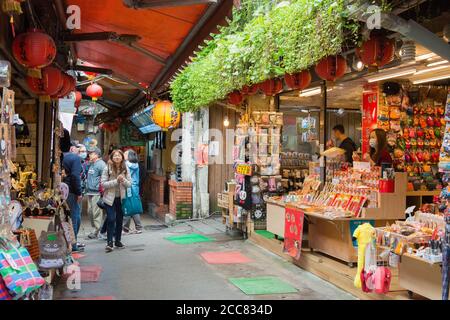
column 293, row 232
column 369, row 117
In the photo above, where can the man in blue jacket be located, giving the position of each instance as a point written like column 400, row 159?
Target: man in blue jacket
column 72, row 168
column 94, row 175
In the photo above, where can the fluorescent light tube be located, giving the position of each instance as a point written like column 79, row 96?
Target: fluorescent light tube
column 446, row 76
column 425, row 56
column 431, row 69
column 390, row 75
column 437, row 63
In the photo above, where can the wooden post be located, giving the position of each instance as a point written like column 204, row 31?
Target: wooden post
column 323, row 130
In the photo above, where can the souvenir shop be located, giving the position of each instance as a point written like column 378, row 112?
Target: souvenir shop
column 299, row 199
column 36, row 233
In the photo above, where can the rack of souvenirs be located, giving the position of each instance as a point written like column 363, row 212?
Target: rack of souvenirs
column 414, row 122
column 344, row 197
column 256, row 156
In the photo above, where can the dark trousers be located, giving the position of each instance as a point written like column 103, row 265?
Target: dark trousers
column 114, row 221
column 445, row 270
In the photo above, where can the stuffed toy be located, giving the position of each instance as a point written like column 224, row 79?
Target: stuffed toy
column 364, row 235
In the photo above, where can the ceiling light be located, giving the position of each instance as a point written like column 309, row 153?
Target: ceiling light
column 425, row 56
column 391, row 75
column 226, row 122
column 431, row 69
column 446, row 76
column 437, row 63
column 357, row 64
column 312, row 92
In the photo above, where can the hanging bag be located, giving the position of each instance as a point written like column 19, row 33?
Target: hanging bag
column 131, row 204
column 18, row 271
column 54, row 250
column 28, row 239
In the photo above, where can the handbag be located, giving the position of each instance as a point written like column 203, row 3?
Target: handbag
column 4, row 293
column 65, row 225
column 28, row 239
column 131, row 204
column 54, row 250
column 18, row 271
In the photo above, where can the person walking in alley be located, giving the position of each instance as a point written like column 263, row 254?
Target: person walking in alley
column 94, row 176
column 132, row 162
column 72, row 168
column 115, row 181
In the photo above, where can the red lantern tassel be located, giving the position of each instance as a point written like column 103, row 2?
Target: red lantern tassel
column 11, row 21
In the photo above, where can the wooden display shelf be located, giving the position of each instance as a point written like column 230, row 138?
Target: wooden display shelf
column 423, row 193
column 420, row 276
column 330, row 270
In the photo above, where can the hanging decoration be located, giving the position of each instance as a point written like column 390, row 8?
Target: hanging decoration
column 67, row 87
column 331, row 68
column 165, row 115
column 271, row 87
column 34, row 49
column 298, row 81
column 94, row 91
column 235, row 98
column 377, row 51
column 78, row 97
column 11, row 8
column 50, row 83
column 249, row 90
column 110, row 126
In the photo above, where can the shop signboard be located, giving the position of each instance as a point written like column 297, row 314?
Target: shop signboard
column 130, row 136
column 354, row 224
column 293, row 232
column 369, row 116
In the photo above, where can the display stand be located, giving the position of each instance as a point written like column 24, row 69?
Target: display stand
column 334, row 236
column 420, row 276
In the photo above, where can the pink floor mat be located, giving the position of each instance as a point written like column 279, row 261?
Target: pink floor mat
column 78, row 255
column 230, row 257
column 89, row 273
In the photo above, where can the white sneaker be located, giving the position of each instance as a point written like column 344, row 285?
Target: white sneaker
column 101, row 236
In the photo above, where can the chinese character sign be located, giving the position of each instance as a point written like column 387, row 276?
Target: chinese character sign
column 293, row 232
column 369, row 117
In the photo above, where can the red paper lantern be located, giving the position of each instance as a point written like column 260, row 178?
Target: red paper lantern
column 53, row 80
column 165, row 115
column 235, row 98
column 376, row 52
column 298, row 81
column 36, row 85
column 271, row 87
column 67, row 87
column 34, row 49
column 249, row 90
column 331, row 68
column 50, row 83
column 78, row 97
column 94, row 91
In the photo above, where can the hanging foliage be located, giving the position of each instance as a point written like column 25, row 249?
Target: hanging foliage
column 265, row 40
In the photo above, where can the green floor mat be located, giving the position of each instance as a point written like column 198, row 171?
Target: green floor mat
column 267, row 234
column 189, row 238
column 262, row 285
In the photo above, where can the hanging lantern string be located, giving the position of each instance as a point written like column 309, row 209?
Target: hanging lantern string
column 30, row 11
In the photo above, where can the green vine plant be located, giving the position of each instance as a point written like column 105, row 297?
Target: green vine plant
column 265, row 39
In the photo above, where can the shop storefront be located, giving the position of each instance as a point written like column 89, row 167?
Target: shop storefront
column 287, row 190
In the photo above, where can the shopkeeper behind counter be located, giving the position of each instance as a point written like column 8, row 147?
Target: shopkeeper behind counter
column 379, row 153
column 346, row 143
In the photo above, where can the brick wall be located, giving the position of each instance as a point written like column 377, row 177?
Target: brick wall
column 180, row 204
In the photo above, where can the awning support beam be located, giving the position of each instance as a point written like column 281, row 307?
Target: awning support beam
column 127, row 40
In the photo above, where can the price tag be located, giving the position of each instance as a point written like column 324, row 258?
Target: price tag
column 244, row 169
column 361, row 166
